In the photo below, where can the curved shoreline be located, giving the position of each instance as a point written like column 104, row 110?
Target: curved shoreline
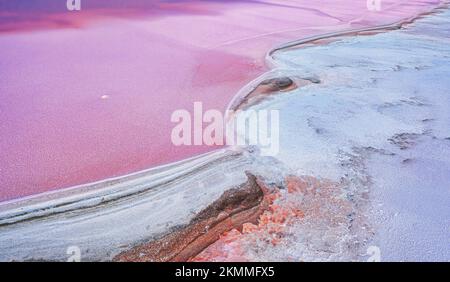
column 241, row 95
column 110, row 139
column 103, row 194
column 17, row 205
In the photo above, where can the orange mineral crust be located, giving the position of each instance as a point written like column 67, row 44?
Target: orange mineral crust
column 303, row 201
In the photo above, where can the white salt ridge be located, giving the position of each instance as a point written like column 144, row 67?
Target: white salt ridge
column 103, row 221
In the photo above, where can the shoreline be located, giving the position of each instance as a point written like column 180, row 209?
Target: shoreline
column 204, row 157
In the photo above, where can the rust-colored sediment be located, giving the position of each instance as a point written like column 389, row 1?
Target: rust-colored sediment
column 306, row 199
column 232, row 210
column 272, row 86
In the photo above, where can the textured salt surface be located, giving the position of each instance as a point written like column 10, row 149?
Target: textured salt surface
column 378, row 125
column 88, row 95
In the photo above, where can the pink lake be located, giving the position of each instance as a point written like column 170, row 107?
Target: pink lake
column 87, row 95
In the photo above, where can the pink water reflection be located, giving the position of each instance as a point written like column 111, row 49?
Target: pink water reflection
column 88, row 95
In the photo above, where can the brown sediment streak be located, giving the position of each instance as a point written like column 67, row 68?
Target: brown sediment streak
column 234, row 208
column 264, row 89
column 272, row 86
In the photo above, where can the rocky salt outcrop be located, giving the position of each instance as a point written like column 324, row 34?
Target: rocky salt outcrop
column 235, row 208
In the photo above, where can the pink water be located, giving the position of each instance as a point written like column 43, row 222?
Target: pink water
column 88, row 95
